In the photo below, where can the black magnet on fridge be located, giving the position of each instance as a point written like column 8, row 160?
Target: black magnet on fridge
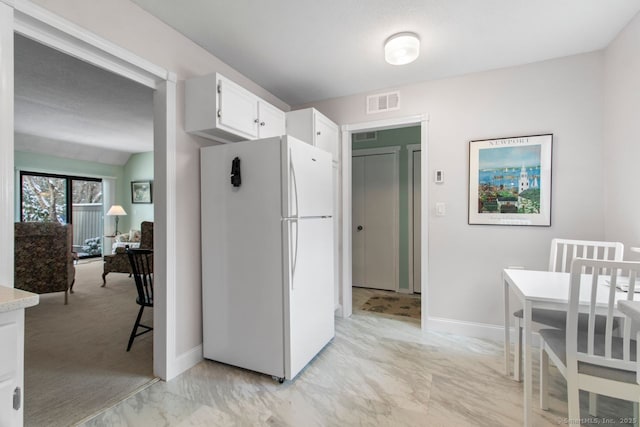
column 236, row 180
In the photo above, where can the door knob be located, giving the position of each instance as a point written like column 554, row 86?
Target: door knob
column 359, row 228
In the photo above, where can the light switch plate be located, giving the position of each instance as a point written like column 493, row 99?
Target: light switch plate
column 441, row 209
column 439, row 176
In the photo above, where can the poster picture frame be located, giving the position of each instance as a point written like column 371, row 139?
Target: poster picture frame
column 142, row 191
column 510, row 180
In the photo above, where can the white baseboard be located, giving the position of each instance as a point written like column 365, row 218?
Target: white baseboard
column 473, row 329
column 338, row 310
column 188, row 360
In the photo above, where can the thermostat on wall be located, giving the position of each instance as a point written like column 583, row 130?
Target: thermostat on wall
column 439, row 176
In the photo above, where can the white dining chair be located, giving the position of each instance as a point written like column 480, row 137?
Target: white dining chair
column 562, row 253
column 596, row 362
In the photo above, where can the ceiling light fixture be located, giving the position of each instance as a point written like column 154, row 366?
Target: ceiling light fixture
column 402, row 48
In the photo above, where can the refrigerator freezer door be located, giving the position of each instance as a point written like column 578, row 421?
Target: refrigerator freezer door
column 308, row 185
column 309, row 310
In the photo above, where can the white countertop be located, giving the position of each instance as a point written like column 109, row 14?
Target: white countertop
column 15, row 299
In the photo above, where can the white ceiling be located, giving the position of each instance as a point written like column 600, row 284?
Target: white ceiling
column 68, row 108
column 301, row 51
column 309, row 50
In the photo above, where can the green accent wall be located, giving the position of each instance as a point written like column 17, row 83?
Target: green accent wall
column 389, row 138
column 138, row 168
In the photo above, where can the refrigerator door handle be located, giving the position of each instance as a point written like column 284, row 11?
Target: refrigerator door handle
column 295, row 254
column 293, row 182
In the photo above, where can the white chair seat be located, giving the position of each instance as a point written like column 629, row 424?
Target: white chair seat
column 557, row 341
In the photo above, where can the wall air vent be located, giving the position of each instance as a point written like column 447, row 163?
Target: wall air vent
column 365, row 136
column 383, row 102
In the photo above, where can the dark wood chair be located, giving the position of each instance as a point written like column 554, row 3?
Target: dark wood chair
column 142, row 269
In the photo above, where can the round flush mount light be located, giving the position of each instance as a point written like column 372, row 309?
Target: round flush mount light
column 402, row 48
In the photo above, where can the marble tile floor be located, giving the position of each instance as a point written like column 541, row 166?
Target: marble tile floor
column 378, row 371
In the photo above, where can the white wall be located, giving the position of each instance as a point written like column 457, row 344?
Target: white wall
column 127, row 25
column 563, row 97
column 622, row 137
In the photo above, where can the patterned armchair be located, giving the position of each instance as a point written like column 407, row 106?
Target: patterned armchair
column 119, row 262
column 44, row 258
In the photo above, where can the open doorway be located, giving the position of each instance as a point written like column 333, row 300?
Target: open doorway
column 347, row 297
column 382, row 219
column 82, row 135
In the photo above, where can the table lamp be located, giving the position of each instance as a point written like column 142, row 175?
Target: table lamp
column 117, row 211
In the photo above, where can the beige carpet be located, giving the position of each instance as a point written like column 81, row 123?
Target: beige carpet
column 395, row 305
column 76, row 362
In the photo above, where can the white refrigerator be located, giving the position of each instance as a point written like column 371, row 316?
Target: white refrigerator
column 267, row 254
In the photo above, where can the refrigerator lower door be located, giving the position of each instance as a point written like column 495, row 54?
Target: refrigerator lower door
column 309, row 310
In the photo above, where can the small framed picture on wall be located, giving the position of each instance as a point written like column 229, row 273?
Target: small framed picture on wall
column 141, row 192
column 510, row 181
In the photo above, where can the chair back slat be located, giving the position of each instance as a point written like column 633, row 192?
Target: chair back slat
column 603, row 278
column 142, row 267
column 564, row 251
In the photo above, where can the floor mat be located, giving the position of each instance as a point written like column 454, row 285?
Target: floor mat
column 396, row 305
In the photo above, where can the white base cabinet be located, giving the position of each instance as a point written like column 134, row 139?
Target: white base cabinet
column 12, row 305
column 11, row 367
column 219, row 109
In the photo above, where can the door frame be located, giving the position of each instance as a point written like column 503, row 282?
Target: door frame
column 395, row 151
column 347, row 131
column 49, row 29
column 411, row 148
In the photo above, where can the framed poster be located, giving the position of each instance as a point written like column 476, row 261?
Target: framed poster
column 510, row 181
column 141, row 192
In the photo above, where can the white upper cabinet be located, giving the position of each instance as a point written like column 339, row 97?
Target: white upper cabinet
column 219, row 109
column 237, row 109
column 312, row 127
column 272, row 120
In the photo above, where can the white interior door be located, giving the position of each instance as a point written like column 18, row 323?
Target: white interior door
column 417, row 265
column 374, row 221
column 357, row 216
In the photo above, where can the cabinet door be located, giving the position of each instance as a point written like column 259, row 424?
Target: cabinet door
column 10, row 358
column 238, row 109
column 272, row 120
column 327, row 136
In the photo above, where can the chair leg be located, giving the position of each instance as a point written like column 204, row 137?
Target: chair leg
column 135, row 328
column 573, row 399
column 517, row 351
column 593, row 404
column 104, row 280
column 66, row 297
column 544, row 379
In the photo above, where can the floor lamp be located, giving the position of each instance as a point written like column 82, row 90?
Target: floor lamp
column 117, row 211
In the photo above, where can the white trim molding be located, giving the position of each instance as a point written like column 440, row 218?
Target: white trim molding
column 6, row 146
column 395, row 151
column 49, row 29
column 411, row 148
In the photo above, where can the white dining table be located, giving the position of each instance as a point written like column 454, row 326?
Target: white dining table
column 540, row 289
